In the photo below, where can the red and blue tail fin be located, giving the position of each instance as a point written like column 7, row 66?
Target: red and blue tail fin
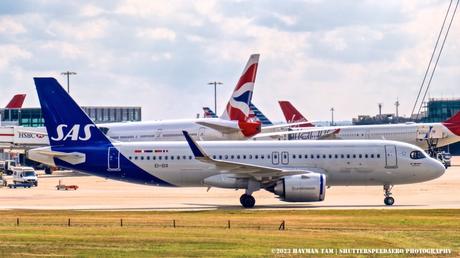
column 238, row 106
column 292, row 115
column 455, row 119
column 208, row 113
column 16, row 101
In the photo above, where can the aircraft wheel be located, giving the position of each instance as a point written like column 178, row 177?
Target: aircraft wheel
column 247, row 201
column 389, row 201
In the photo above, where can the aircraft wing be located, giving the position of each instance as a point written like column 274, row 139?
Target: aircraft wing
column 315, row 133
column 219, row 127
column 288, row 125
column 242, row 170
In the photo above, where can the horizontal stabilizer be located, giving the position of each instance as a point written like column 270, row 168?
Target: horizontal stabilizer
column 72, row 157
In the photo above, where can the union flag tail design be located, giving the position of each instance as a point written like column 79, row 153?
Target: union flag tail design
column 238, row 106
column 292, row 115
column 16, row 101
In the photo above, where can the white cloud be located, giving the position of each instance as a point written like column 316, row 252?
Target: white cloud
column 88, row 30
column 10, row 53
column 91, row 10
column 9, row 26
column 157, row 34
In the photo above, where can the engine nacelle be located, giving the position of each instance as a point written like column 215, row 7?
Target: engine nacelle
column 302, row 188
column 226, row 181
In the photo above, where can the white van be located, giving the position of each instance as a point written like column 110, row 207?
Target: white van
column 25, row 175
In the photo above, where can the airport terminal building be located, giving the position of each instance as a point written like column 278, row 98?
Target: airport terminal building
column 32, row 117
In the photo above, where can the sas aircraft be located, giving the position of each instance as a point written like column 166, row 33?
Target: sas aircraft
column 294, row 171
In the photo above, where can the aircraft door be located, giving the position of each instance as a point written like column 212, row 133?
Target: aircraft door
column 284, row 157
column 275, row 158
column 113, row 159
column 158, row 134
column 391, row 159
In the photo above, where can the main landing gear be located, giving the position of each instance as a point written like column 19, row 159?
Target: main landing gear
column 248, row 201
column 388, row 199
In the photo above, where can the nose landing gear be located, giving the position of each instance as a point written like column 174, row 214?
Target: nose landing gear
column 388, row 199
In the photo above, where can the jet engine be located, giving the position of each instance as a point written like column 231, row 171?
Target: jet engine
column 301, row 188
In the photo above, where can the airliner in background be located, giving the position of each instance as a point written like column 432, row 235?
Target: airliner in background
column 16, row 101
column 428, row 136
column 234, row 124
column 295, row 171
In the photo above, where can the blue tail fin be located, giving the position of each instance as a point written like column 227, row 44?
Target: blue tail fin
column 67, row 124
column 260, row 116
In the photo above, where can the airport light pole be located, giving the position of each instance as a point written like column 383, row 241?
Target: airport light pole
column 215, row 94
column 332, row 114
column 68, row 74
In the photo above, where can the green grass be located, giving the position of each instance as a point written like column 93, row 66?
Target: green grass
column 205, row 233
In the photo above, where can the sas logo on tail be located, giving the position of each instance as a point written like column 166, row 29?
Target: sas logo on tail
column 73, row 133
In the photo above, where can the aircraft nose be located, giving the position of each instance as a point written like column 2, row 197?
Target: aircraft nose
column 438, row 168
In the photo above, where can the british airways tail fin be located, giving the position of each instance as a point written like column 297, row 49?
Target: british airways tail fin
column 67, row 124
column 238, row 106
column 260, row 116
column 16, row 101
column 292, row 115
column 208, row 113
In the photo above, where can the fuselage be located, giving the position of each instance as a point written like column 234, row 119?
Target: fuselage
column 173, row 164
column 420, row 134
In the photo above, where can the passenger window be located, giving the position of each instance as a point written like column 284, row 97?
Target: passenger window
column 184, row 157
column 324, row 156
column 342, row 156
column 305, row 156
column 250, row 156
column 220, row 156
column 148, row 157
column 142, row 157
column 268, row 156
column 336, row 156
column 166, row 157
column 238, row 156
column 154, row 158
column 226, row 157
column 318, row 156
column 232, row 157
column 372, row 156
column 360, row 156
column 178, row 157
column 244, row 156
column 293, row 156
column 172, row 157
column 256, row 156
column 365, row 156
column 159, row 157
column 378, row 156
column 312, row 156
column 130, row 157
column 354, row 156
column 330, row 156
column 135, row 158
column 189, row 157
column 417, row 155
column 262, row 156
column 348, row 156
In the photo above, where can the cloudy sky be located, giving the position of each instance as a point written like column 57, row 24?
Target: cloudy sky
column 160, row 54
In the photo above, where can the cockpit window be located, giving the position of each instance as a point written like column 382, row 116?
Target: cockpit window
column 417, row 155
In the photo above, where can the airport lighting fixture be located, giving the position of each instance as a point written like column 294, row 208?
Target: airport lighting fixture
column 332, row 114
column 68, row 73
column 215, row 93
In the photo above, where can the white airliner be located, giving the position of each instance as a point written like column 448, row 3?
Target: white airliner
column 295, row 171
column 425, row 135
